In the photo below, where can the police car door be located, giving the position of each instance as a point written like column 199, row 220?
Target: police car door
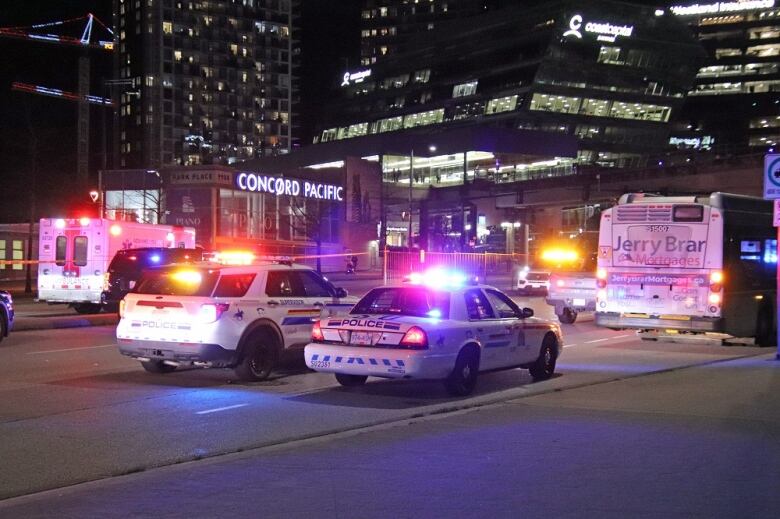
column 285, row 301
column 484, row 327
column 510, row 317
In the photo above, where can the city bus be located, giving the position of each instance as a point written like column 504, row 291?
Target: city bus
column 74, row 254
column 693, row 264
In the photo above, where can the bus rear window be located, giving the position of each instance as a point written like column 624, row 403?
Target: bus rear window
column 177, row 282
column 688, row 213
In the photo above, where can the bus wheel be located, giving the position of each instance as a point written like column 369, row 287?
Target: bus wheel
column 87, row 308
column 764, row 327
column 568, row 316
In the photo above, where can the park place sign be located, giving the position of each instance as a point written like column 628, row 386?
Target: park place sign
column 604, row 31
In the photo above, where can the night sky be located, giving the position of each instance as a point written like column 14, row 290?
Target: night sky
column 330, row 41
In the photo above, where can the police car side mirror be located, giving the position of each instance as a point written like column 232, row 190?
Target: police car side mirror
column 341, row 292
column 526, row 313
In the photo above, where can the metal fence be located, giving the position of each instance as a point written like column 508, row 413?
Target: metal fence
column 492, row 268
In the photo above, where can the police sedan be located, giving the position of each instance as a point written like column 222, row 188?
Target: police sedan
column 436, row 326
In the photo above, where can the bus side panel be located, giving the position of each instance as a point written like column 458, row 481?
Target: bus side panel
column 750, row 267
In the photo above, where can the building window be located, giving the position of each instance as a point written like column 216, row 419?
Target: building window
column 464, row 89
column 766, row 140
column 391, row 124
column 501, row 104
column 553, row 103
column 595, row 107
column 763, row 51
column 422, row 76
column 610, row 55
column 2, row 254
column 762, row 33
column 727, row 53
column 720, row 70
column 424, row 118
column 641, row 111
column 718, row 89
column 765, row 122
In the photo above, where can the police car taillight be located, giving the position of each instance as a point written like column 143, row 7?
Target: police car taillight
column 316, row 333
column 211, row 312
column 122, row 305
column 415, row 338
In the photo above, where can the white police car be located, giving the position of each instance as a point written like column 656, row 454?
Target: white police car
column 434, row 327
column 212, row 315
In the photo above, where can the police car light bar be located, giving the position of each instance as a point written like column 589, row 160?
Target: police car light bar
column 438, row 278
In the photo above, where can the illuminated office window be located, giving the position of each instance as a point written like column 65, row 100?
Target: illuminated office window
column 501, row 104
column 553, row 103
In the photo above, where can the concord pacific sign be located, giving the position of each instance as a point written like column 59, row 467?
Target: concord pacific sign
column 605, row 31
column 278, row 186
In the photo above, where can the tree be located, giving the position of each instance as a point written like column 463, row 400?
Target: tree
column 310, row 223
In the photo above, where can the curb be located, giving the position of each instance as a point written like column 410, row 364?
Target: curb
column 24, row 324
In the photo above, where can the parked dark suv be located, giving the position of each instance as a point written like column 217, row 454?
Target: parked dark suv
column 6, row 314
column 126, row 267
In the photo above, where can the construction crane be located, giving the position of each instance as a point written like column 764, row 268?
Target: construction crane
column 42, row 32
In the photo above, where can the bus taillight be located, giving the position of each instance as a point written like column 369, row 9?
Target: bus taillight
column 716, row 281
column 601, row 278
column 714, row 299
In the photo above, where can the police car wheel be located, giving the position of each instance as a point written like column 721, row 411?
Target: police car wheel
column 351, row 380
column 157, row 366
column 568, row 316
column 463, row 378
column 257, row 364
column 544, row 367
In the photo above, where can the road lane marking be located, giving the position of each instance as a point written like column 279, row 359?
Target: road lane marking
column 568, row 345
column 218, row 409
column 70, row 349
column 598, row 340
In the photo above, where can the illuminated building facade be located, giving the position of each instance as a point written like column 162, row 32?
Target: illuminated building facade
column 205, row 81
column 735, row 103
column 611, row 74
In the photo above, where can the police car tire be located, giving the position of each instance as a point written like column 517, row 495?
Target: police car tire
column 258, row 360
column 568, row 316
column 544, row 367
column 350, row 380
column 3, row 325
column 463, row 378
column 157, row 366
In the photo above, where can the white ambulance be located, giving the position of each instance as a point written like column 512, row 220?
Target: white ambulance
column 74, row 254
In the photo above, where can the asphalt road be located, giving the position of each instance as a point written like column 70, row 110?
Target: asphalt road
column 73, row 410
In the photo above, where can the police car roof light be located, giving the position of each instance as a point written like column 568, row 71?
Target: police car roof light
column 439, row 278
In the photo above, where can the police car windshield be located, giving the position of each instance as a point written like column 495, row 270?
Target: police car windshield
column 177, row 281
column 411, row 301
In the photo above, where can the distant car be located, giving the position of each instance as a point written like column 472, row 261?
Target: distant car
column 431, row 330
column 126, row 267
column 533, row 282
column 6, row 314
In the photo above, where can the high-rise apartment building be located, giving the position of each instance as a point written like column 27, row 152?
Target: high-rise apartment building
column 387, row 24
column 211, row 81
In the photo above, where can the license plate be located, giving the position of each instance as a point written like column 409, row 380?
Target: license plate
column 578, row 302
column 361, row 338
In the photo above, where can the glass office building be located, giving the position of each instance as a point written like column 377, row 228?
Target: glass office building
column 611, row 74
column 735, row 103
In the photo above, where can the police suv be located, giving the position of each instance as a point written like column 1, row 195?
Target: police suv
column 213, row 315
column 436, row 326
